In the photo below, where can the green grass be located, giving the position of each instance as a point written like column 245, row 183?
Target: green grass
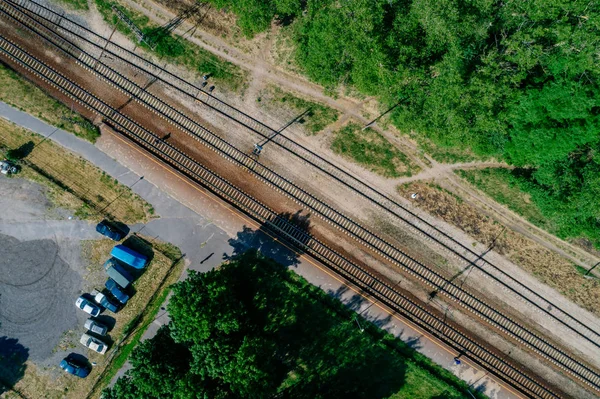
column 27, row 97
column 124, row 351
column 372, row 150
column 178, row 51
column 76, row 4
column 319, row 117
column 502, row 186
column 423, row 379
column 135, row 328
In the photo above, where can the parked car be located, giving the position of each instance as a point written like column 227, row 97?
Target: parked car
column 117, row 273
column 71, row 367
column 93, row 343
column 104, row 302
column 129, row 256
column 114, row 289
column 109, row 231
column 7, row 167
column 87, row 306
column 95, row 327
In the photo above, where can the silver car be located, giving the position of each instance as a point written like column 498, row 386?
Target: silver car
column 93, row 343
column 95, row 327
column 87, row 306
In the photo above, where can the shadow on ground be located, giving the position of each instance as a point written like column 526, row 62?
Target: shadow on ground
column 13, row 356
column 262, row 239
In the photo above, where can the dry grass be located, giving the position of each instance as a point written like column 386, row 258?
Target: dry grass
column 72, row 182
column 425, row 254
column 40, row 384
column 24, row 95
column 549, row 267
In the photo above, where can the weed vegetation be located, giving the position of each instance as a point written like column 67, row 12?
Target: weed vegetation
column 76, row 4
column 515, row 189
column 371, row 149
column 175, row 49
column 319, row 117
column 24, row 95
column 546, row 265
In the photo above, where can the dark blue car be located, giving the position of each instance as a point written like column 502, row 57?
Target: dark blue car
column 114, row 289
column 73, row 368
column 109, row 231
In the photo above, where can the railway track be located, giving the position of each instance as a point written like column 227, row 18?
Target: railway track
column 478, row 307
column 371, row 284
column 464, row 254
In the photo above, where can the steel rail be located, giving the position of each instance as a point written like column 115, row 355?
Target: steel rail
column 340, row 221
column 406, row 216
column 275, row 223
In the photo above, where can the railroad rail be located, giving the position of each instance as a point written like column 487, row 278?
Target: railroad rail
column 408, row 218
column 477, row 306
column 275, row 223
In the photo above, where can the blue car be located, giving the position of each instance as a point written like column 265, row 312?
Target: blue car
column 109, row 231
column 114, row 289
column 73, row 368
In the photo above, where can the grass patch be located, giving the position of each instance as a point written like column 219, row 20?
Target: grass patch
column 76, row 4
column 178, row 51
column 445, row 154
column 547, row 266
column 71, row 181
column 319, row 117
column 372, row 150
column 24, row 95
column 499, row 184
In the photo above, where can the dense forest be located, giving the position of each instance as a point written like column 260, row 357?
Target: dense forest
column 515, row 80
column 253, row 329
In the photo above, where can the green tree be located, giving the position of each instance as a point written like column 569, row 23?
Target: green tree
column 253, row 329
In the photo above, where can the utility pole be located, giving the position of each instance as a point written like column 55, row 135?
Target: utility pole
column 105, row 46
column 368, row 125
column 258, row 147
column 469, row 267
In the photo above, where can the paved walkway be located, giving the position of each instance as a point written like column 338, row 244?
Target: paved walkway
column 205, row 242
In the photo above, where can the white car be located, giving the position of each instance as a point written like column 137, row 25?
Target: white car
column 7, row 167
column 95, row 327
column 93, row 343
column 87, row 306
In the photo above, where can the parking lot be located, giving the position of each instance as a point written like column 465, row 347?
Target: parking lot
column 41, row 274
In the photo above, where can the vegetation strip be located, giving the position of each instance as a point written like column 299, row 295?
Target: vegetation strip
column 138, row 325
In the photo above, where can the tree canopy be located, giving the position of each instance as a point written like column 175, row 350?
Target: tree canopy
column 253, row 329
column 515, row 80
